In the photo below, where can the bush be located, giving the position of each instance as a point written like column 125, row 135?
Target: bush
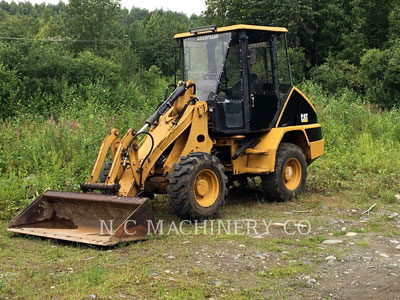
column 358, row 138
column 39, row 153
column 335, row 75
column 57, row 152
column 47, row 79
column 10, row 90
column 380, row 75
column 298, row 64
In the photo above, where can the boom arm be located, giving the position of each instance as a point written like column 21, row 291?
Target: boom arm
column 132, row 165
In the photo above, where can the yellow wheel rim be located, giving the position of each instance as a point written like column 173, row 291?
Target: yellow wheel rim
column 292, row 174
column 206, row 188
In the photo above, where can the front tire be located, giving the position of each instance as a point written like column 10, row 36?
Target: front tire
column 197, row 186
column 290, row 174
column 104, row 172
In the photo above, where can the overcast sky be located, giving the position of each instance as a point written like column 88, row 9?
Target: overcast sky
column 189, row 7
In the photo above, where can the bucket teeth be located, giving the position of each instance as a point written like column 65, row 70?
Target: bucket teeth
column 86, row 218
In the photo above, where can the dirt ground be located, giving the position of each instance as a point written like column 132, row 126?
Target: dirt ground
column 346, row 255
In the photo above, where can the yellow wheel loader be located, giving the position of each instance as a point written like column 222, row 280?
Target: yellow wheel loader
column 233, row 114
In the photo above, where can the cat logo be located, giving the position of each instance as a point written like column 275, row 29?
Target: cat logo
column 304, row 118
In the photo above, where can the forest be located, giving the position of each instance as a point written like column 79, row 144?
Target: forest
column 48, row 51
column 70, row 72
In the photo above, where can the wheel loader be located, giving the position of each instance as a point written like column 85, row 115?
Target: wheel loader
column 233, row 114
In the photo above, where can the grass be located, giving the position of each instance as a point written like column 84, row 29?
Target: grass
column 57, row 152
column 277, row 272
column 39, row 153
column 202, row 267
column 362, row 244
column 357, row 136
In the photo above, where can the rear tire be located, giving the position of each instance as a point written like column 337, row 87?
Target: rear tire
column 197, row 186
column 290, row 174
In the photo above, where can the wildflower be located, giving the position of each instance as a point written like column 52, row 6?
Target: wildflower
column 73, row 125
column 51, row 120
column 17, row 132
column 58, row 124
column 67, row 182
column 113, row 119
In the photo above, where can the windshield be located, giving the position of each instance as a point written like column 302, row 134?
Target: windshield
column 204, row 57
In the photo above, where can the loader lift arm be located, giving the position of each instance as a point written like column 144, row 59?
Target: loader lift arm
column 179, row 124
column 259, row 123
column 133, row 163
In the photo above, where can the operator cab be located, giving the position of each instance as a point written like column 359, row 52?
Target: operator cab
column 242, row 71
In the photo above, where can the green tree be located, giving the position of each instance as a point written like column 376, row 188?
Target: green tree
column 394, row 23
column 380, row 75
column 336, row 74
column 95, row 23
column 19, row 27
column 10, row 92
column 296, row 15
column 153, row 41
column 330, row 21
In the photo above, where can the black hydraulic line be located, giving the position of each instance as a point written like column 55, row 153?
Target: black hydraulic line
column 140, row 170
column 192, row 85
column 248, row 143
column 167, row 104
column 126, row 153
column 166, row 93
column 192, row 100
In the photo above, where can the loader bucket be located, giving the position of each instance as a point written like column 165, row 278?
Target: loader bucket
column 86, row 218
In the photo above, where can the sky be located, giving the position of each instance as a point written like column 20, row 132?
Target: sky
column 189, row 7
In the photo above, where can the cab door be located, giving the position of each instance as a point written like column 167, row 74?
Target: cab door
column 269, row 80
column 231, row 110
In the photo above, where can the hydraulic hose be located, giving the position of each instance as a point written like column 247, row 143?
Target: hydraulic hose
column 161, row 109
column 140, row 170
column 126, row 153
column 167, row 104
column 176, row 121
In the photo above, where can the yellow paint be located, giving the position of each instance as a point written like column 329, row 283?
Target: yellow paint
column 196, row 140
column 112, row 140
column 190, row 134
column 261, row 158
column 292, row 174
column 181, row 101
column 206, row 188
column 305, row 97
column 128, row 177
column 233, row 28
column 317, row 149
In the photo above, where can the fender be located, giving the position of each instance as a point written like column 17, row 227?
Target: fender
column 261, row 158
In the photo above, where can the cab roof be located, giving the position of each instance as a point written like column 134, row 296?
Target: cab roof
column 232, row 28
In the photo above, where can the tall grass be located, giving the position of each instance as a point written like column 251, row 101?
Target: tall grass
column 362, row 145
column 57, row 150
